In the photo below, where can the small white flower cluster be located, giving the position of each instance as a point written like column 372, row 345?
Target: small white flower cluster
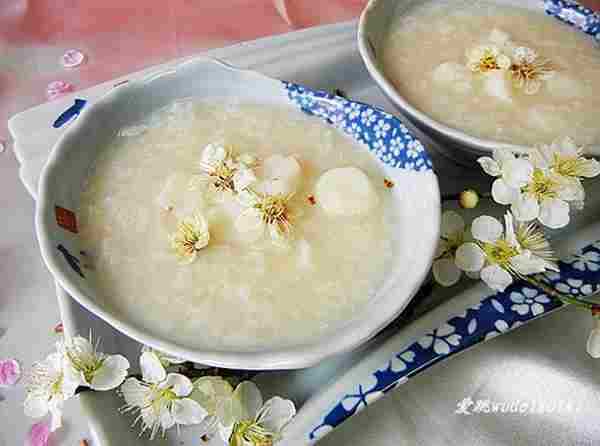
column 165, row 399
column 499, row 57
column 77, row 363
column 540, row 187
column 162, row 398
column 543, row 183
column 489, row 250
column 264, row 200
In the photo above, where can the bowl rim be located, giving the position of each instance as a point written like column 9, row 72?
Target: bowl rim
column 367, row 52
column 277, row 358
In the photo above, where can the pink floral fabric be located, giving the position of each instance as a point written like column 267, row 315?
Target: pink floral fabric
column 121, row 36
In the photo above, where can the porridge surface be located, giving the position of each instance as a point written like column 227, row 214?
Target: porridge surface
column 433, row 33
column 236, row 294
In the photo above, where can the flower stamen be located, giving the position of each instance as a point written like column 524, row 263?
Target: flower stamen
column 542, row 186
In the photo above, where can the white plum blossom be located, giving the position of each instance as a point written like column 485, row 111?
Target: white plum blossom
column 565, row 159
column 532, row 192
column 88, row 367
column 452, row 235
column 529, row 300
column 214, row 394
column 48, row 387
column 160, row 399
column 528, row 70
column 227, row 172
column 512, row 174
column 165, row 359
column 192, row 235
column 252, row 422
column 498, row 254
column 485, row 58
column 265, row 214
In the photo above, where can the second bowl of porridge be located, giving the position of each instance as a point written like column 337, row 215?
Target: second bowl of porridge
column 238, row 221
column 485, row 74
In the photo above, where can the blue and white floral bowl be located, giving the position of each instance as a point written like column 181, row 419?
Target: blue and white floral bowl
column 374, row 26
column 404, row 159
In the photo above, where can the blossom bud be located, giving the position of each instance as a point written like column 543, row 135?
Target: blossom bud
column 468, row 199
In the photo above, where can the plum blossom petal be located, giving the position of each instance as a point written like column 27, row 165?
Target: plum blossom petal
column 58, row 88
column 490, row 166
column 92, row 368
column 554, row 213
column 452, row 222
column 180, row 384
column 72, row 58
column 151, row 367
column 48, row 388
column 276, row 413
column 504, row 194
column 445, row 272
column 496, row 277
column 593, row 342
column 527, row 264
column 212, row 155
column 10, row 372
column 486, row 229
column 517, row 172
column 187, row 411
column 39, row 434
column 525, row 208
column 470, row 257
column 112, row 373
column 252, row 422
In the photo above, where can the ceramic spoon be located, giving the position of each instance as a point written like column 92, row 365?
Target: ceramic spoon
column 439, row 337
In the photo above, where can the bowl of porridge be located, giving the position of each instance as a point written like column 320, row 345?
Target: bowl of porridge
column 236, row 220
column 484, row 74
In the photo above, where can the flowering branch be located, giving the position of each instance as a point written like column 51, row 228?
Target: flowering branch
column 169, row 392
column 540, row 186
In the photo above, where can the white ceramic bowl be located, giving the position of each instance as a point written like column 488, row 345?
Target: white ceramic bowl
column 372, row 30
column 406, row 163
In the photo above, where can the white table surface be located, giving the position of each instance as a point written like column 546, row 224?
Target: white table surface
column 28, row 308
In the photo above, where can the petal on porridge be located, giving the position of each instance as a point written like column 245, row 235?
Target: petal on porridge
column 497, row 85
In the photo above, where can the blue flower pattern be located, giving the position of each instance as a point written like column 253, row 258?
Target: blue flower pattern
column 381, row 132
column 574, row 14
column 496, row 314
